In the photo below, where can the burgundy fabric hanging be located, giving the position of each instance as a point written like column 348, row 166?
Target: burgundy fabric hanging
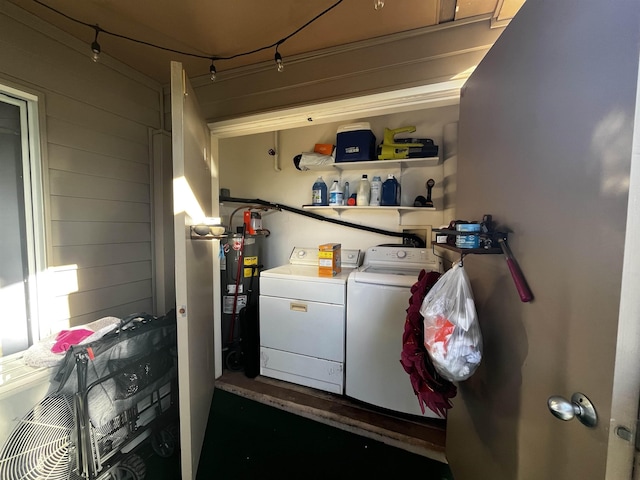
column 432, row 390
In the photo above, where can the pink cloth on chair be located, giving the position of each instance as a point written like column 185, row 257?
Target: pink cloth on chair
column 66, row 338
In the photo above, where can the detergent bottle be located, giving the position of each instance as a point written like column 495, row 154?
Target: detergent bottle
column 390, row 192
column 335, row 194
column 319, row 193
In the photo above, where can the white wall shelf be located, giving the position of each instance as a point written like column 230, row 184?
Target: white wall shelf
column 400, row 210
column 400, row 163
column 339, row 208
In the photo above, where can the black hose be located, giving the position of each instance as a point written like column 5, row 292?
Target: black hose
column 407, row 238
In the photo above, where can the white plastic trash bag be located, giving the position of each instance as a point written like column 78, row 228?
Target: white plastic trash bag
column 313, row 161
column 451, row 330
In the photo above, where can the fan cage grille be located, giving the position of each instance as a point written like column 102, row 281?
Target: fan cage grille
column 39, row 445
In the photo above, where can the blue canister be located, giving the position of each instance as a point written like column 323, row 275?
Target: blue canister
column 470, row 240
column 390, row 192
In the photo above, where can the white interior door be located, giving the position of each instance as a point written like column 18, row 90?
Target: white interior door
column 195, row 263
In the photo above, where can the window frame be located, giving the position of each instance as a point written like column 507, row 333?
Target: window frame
column 34, row 192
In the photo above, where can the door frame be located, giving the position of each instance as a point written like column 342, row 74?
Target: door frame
column 404, row 100
column 626, row 390
column 625, row 396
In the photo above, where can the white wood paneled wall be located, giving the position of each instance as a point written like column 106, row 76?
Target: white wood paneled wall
column 97, row 165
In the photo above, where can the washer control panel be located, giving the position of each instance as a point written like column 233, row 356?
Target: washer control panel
column 398, row 254
column 401, row 257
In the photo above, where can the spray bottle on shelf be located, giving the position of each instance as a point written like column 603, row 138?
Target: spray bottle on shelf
column 364, row 190
column 335, row 194
column 319, row 193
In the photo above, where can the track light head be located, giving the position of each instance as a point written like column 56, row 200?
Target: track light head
column 95, row 46
column 278, row 59
column 212, row 70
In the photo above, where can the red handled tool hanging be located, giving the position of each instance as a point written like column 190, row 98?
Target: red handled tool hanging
column 516, row 273
column 237, row 291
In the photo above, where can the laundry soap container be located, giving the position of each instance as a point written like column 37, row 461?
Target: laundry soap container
column 390, row 192
column 335, row 194
column 355, row 142
column 319, row 193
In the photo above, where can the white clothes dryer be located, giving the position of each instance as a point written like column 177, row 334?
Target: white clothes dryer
column 302, row 321
column 377, row 299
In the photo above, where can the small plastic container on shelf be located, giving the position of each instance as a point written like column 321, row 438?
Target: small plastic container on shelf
column 470, row 239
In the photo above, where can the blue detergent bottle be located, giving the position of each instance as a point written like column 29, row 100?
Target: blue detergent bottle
column 390, row 192
column 319, row 193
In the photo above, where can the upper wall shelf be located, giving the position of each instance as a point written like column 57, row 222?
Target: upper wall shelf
column 400, row 163
column 467, row 251
column 371, row 207
column 401, row 210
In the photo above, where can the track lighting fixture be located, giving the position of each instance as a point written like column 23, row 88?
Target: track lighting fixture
column 95, row 46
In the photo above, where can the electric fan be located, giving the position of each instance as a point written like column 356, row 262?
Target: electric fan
column 38, row 447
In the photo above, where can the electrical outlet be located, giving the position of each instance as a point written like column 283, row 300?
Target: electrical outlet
column 423, row 233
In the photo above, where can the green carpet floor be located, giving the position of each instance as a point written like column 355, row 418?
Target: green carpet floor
column 249, row 440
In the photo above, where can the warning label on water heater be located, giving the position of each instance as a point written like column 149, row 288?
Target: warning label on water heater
column 248, row 261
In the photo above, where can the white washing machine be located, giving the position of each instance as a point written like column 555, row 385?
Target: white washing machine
column 377, row 299
column 302, row 321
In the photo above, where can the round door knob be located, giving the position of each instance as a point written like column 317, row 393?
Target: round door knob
column 579, row 406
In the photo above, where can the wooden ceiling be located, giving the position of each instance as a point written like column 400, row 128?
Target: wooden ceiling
column 228, row 27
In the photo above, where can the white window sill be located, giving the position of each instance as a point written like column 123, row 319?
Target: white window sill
column 16, row 375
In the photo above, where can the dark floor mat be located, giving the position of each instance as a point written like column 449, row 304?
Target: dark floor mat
column 249, row 440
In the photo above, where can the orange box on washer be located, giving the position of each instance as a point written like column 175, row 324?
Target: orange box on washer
column 329, row 261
